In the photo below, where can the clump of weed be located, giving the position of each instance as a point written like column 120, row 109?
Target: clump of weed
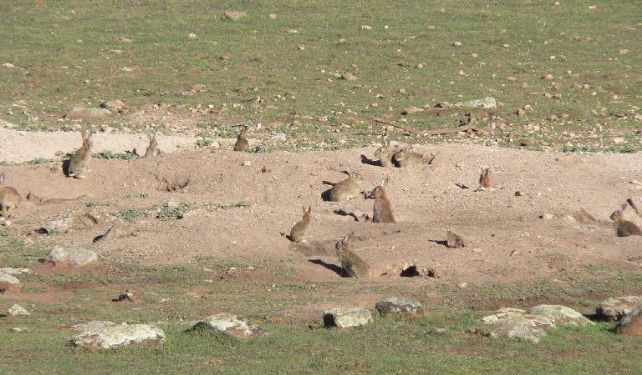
column 116, row 155
column 131, row 214
column 167, row 212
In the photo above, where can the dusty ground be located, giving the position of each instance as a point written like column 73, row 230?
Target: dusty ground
column 506, row 239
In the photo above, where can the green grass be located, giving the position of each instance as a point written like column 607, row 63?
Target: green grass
column 255, row 71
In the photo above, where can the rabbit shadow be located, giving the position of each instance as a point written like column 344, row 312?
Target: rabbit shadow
column 368, row 161
column 332, row 267
column 65, row 167
column 440, row 242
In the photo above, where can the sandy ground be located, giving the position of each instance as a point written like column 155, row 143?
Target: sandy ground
column 505, row 236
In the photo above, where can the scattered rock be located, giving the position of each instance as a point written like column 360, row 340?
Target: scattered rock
column 234, row 15
column 279, row 137
column 8, row 65
column 519, row 193
column 487, row 102
column 82, row 113
column 17, row 310
column 199, row 87
column 191, row 36
column 514, row 323
column 345, row 317
column 272, row 16
column 457, row 44
column 231, row 325
column 398, row 306
column 73, row 256
column 547, row 216
column 411, row 110
column 348, row 77
column 561, row 315
column 616, row 308
column 8, row 282
column 631, row 323
column 114, row 106
column 246, row 163
column 61, row 225
column 454, row 240
column 109, row 335
column 14, row 271
column 526, row 143
column 18, row 329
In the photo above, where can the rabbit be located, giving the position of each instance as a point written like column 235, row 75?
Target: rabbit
column 9, row 200
column 152, row 149
column 406, row 157
column 627, row 220
column 484, row 179
column 297, row 234
column 241, row 141
column 78, row 164
column 385, row 152
column 346, row 189
column 382, row 212
column 351, row 264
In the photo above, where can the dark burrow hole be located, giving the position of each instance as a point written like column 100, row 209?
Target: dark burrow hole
column 410, row 271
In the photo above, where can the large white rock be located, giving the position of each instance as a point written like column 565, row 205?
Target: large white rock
column 514, row 323
column 109, row 335
column 74, row 256
column 344, row 317
column 229, row 324
column 8, row 282
column 17, row 310
column 14, row 271
column 561, row 315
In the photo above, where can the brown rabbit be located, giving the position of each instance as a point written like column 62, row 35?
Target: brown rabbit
column 382, row 211
column 9, row 200
column 484, row 179
column 152, row 149
column 298, row 232
column 627, row 220
column 385, row 152
column 406, row 157
column 78, row 164
column 351, row 264
column 346, row 189
column 241, row 141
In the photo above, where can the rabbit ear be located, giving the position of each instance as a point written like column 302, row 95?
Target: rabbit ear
column 384, row 182
column 1, row 178
column 149, row 136
column 309, row 209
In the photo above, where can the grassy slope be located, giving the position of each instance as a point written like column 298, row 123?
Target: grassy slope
column 263, row 60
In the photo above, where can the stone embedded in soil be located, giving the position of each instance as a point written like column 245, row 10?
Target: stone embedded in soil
column 487, row 102
column 74, row 256
column 115, row 106
column 454, row 241
column 17, row 310
column 8, row 282
column 616, row 308
column 234, row 15
column 61, row 225
column 231, row 325
column 631, row 323
column 561, row 315
column 109, row 335
column 514, row 323
column 398, row 306
column 82, row 113
column 14, row 271
column 345, row 317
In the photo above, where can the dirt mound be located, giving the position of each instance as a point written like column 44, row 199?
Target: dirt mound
column 227, row 209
